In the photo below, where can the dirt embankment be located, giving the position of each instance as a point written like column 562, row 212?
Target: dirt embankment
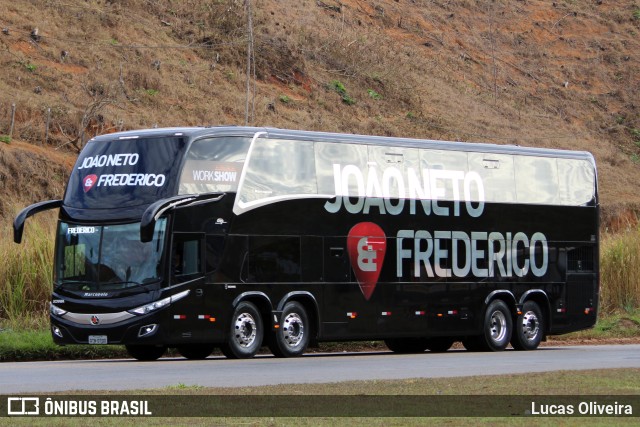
column 29, row 174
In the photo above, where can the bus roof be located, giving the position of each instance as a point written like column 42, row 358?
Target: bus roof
column 196, row 132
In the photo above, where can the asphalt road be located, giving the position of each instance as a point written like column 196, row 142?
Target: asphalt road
column 22, row 377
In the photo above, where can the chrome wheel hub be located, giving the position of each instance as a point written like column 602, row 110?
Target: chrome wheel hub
column 530, row 325
column 245, row 330
column 292, row 329
column 498, row 326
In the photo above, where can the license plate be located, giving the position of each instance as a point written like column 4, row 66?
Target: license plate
column 97, row 339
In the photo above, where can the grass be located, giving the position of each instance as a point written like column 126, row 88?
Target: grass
column 26, row 273
column 620, row 271
column 27, row 345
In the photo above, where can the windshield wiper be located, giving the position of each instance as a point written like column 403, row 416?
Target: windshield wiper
column 74, row 285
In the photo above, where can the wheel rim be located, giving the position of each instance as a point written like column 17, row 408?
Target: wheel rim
column 245, row 330
column 498, row 326
column 293, row 330
column 530, row 326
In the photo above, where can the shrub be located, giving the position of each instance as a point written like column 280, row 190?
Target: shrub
column 342, row 91
column 620, row 272
column 26, row 272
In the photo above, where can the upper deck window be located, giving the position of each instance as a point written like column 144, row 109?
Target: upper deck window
column 124, row 173
column 536, row 179
column 278, row 170
column 328, row 154
column 576, row 181
column 496, row 171
column 213, row 165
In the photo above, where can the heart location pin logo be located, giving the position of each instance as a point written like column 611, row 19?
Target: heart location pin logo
column 88, row 182
column 367, row 245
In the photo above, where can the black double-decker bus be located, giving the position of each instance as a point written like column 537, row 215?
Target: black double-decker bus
column 239, row 237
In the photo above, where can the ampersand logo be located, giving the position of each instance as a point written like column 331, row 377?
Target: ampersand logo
column 367, row 245
column 88, row 182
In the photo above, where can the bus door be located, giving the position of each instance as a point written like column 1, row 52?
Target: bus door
column 581, row 298
column 189, row 318
column 337, row 286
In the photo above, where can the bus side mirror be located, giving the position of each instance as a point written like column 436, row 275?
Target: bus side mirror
column 153, row 212
column 18, row 223
column 146, row 230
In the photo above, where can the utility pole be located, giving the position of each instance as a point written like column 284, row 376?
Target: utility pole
column 250, row 64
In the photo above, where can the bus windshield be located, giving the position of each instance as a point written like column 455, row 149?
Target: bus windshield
column 107, row 258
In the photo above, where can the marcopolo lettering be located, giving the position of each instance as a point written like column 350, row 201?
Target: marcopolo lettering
column 389, row 192
column 131, row 179
column 122, row 159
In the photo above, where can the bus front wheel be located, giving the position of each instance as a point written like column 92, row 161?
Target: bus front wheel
column 145, row 353
column 292, row 337
column 245, row 332
column 529, row 328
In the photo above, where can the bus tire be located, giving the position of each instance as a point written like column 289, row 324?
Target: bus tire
column 245, row 332
column 439, row 344
column 498, row 325
column 196, row 351
column 529, row 327
column 407, row 345
column 145, row 353
column 292, row 337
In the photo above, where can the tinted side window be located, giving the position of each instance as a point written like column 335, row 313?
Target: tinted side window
column 186, row 256
column 274, row 259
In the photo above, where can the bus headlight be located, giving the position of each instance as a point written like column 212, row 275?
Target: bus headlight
column 57, row 311
column 156, row 305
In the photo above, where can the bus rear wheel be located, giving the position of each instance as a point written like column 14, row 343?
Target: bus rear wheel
column 529, row 328
column 145, row 353
column 496, row 330
column 292, row 337
column 407, row 345
column 245, row 332
column 497, row 326
column 196, row 351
